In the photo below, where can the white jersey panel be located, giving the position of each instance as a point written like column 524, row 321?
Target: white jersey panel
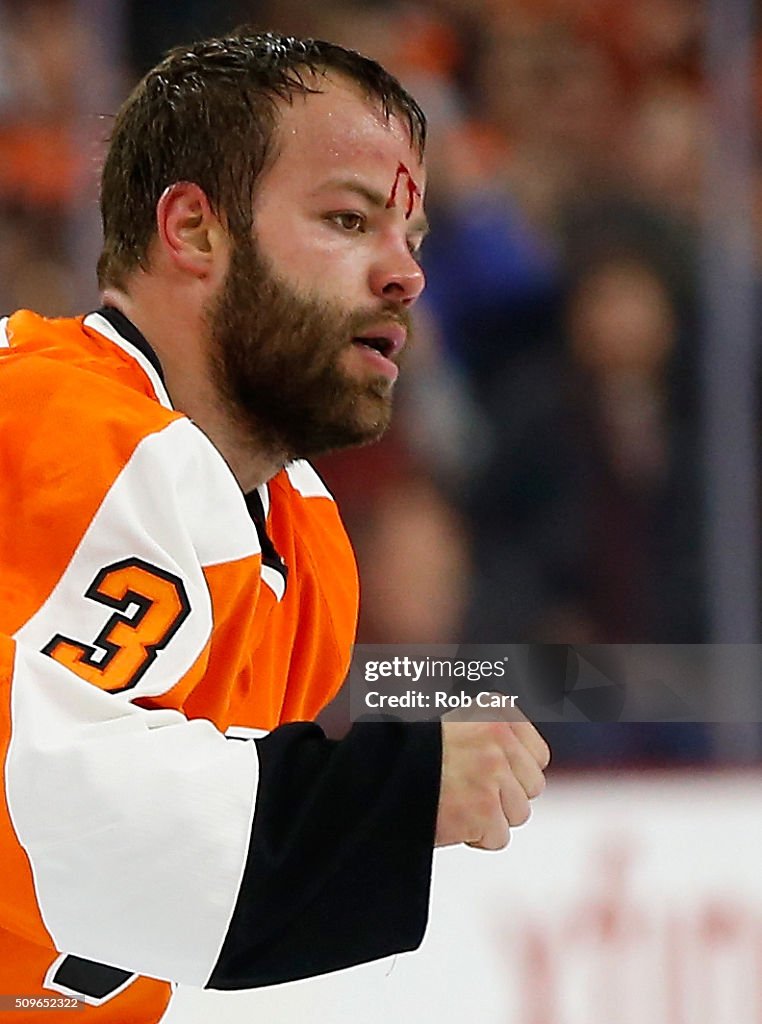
column 304, row 479
column 209, row 498
column 136, row 823
column 175, row 506
column 274, row 580
column 264, row 496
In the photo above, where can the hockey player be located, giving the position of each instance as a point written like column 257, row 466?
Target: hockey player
column 177, row 594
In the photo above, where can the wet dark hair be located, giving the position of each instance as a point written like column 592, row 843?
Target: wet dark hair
column 208, row 113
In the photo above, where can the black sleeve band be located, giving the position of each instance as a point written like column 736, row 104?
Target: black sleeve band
column 339, row 866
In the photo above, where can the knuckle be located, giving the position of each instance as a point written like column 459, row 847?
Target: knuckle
column 496, row 730
column 493, row 761
column 486, row 807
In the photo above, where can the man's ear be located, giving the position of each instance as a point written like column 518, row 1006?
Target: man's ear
column 190, row 233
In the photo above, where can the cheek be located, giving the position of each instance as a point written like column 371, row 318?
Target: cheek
column 330, row 272
column 314, row 260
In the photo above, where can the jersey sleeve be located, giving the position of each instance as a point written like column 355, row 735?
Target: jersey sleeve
column 162, row 847
column 339, row 866
column 155, row 844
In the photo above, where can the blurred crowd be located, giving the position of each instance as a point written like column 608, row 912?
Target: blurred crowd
column 542, row 478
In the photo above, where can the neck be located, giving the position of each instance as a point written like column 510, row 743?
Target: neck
column 178, row 335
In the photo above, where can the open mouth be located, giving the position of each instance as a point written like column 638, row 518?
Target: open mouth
column 384, row 346
column 386, row 338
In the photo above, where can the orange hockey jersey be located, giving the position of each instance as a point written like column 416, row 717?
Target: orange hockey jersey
column 158, row 627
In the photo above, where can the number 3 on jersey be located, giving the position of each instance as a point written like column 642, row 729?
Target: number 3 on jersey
column 150, row 606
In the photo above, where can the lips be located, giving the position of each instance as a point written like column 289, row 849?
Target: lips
column 386, row 338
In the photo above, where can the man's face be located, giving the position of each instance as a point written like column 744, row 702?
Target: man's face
column 315, row 310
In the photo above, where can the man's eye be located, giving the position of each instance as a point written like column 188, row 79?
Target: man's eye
column 349, row 221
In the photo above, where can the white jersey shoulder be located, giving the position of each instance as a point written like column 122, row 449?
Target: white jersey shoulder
column 176, row 507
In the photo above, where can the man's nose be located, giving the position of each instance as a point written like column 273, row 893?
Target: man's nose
column 398, row 278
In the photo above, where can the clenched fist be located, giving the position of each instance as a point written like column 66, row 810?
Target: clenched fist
column 490, row 772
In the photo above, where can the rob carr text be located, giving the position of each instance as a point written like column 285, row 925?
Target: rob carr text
column 439, row 699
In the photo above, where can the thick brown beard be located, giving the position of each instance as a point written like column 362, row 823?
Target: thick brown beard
column 276, row 363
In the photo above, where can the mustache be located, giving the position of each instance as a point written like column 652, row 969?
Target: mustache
column 392, row 314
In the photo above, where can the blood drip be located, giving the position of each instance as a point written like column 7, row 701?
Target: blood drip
column 412, row 190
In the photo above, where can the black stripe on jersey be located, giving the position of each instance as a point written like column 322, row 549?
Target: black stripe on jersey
column 130, row 333
column 90, row 979
column 339, row 866
column 270, row 554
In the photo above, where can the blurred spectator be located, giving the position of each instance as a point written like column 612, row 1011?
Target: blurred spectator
column 663, row 149
column 588, row 513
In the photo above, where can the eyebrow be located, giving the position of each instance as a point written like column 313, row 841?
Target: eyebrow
column 419, row 224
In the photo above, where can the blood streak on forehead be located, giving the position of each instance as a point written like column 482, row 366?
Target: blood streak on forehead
column 412, row 190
